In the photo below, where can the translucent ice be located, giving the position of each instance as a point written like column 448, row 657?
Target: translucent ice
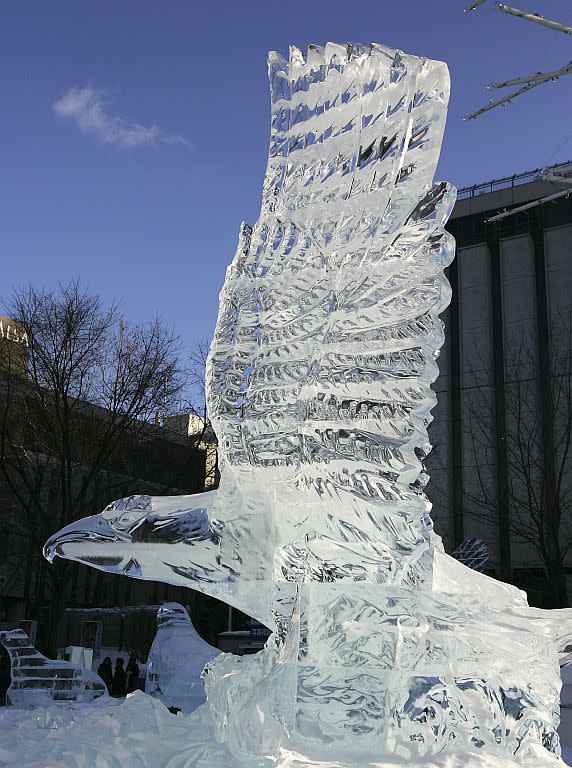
column 319, row 388
column 38, row 681
column 177, row 659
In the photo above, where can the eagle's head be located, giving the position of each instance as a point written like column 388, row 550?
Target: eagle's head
column 124, row 538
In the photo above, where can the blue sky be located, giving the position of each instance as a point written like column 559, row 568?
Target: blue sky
column 180, row 91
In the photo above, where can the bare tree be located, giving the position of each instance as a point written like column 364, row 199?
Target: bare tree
column 539, row 459
column 204, row 434
column 524, row 83
column 197, row 370
column 77, row 385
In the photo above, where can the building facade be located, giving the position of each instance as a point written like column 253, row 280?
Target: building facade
column 145, row 458
column 501, row 468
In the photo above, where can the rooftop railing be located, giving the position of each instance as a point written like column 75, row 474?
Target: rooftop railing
column 511, row 181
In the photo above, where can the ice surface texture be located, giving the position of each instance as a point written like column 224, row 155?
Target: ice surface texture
column 177, row 659
column 38, row 681
column 319, row 389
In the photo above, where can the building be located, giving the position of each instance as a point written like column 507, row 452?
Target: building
column 501, row 427
column 200, row 430
column 146, row 458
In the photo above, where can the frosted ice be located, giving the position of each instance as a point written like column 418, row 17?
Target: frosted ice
column 319, row 389
column 38, row 681
column 177, row 659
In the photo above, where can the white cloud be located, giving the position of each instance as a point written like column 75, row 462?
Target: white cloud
column 89, row 108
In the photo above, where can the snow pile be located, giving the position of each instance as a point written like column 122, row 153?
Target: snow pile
column 141, row 733
column 136, row 733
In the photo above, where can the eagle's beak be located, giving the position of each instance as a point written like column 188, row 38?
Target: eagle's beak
column 70, row 540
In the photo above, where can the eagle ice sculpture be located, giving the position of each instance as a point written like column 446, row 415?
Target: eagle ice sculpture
column 319, row 389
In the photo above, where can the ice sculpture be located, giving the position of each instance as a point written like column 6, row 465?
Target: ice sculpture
column 473, row 553
column 565, row 729
column 177, row 659
column 38, row 681
column 319, row 389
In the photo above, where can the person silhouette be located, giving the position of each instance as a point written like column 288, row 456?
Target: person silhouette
column 118, row 683
column 105, row 671
column 132, row 673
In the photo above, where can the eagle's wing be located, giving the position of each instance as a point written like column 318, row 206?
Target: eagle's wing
column 319, row 374
column 318, row 379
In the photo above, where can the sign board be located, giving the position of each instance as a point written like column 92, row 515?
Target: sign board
column 14, row 332
column 14, row 346
column 259, row 631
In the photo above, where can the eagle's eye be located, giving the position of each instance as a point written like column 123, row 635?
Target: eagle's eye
column 126, row 521
column 126, row 514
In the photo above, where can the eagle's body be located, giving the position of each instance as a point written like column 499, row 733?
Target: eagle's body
column 319, row 389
